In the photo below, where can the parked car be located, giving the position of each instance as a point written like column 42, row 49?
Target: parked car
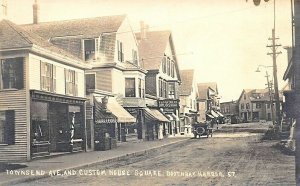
column 235, row 119
column 202, row 129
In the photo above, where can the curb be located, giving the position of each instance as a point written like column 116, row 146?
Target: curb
column 107, row 161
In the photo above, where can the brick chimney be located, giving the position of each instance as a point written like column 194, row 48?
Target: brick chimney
column 36, row 9
column 3, row 9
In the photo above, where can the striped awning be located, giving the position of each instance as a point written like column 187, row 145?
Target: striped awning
column 155, row 115
column 214, row 114
column 210, row 116
column 220, row 114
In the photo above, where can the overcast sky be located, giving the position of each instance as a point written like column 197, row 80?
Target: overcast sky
column 224, row 41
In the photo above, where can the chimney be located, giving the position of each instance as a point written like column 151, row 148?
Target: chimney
column 36, row 10
column 3, row 9
column 144, row 30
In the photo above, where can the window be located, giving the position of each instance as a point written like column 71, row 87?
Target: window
column 120, row 51
column 258, row 105
column 268, row 105
column 168, row 66
column 244, row 96
column 39, row 121
column 7, row 127
column 140, row 87
column 160, row 87
column 164, row 89
column 89, row 49
column 129, row 87
column 171, row 90
column 48, row 77
column 242, row 106
column 164, row 65
column 247, row 106
column 71, row 82
column 134, row 57
column 172, row 69
column 90, row 81
column 11, row 73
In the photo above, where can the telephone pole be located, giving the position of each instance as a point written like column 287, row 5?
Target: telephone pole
column 274, row 55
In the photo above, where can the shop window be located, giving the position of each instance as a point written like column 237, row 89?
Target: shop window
column 71, row 82
column 90, row 81
column 89, row 49
column 39, row 119
column 75, row 122
column 48, row 77
column 7, row 127
column 129, row 87
column 11, row 73
column 120, row 51
column 134, row 57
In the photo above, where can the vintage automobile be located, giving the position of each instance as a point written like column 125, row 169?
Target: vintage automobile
column 202, row 129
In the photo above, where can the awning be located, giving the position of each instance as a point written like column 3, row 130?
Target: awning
column 172, row 117
column 210, row 116
column 214, row 114
column 175, row 117
column 103, row 116
column 220, row 114
column 118, row 111
column 155, row 115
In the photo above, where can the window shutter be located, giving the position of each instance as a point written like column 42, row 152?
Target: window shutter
column 9, row 127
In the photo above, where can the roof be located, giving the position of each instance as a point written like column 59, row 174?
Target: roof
column 257, row 95
column 203, row 88
column 13, row 36
column 186, row 86
column 152, row 49
column 88, row 27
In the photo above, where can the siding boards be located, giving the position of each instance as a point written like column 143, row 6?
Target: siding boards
column 104, row 80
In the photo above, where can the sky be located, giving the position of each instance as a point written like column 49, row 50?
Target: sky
column 223, row 41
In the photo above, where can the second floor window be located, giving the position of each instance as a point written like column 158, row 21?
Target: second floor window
column 90, row 81
column 129, row 87
column 168, row 66
column 11, row 73
column 48, row 77
column 89, row 49
column 172, row 69
column 120, row 51
column 258, row 105
column 71, row 82
column 171, row 90
column 242, row 106
column 247, row 106
column 141, row 88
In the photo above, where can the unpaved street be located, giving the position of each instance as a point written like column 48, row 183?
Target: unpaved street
column 238, row 158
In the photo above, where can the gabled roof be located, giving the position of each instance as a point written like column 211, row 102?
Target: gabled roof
column 187, row 77
column 88, row 27
column 152, row 49
column 13, row 36
column 203, row 88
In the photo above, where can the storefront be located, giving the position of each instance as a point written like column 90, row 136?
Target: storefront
column 170, row 108
column 57, row 123
column 157, row 125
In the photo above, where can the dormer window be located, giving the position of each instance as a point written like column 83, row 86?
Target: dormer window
column 89, row 49
column 120, row 51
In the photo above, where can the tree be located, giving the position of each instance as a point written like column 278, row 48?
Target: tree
column 257, row 2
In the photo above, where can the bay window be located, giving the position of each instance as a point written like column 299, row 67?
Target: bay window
column 129, row 87
column 11, row 73
column 171, row 90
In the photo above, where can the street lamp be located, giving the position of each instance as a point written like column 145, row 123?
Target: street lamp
column 269, row 84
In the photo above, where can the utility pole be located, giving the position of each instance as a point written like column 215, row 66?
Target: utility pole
column 274, row 54
column 271, row 98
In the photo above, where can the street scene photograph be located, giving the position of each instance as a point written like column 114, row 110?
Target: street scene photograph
column 124, row 92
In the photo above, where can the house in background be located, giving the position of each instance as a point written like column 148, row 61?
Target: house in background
column 117, row 77
column 255, row 105
column 42, row 97
column 158, row 57
column 208, row 102
column 229, row 108
column 188, row 101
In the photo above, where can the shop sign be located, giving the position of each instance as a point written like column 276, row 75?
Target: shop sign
column 105, row 120
column 168, row 103
column 169, row 110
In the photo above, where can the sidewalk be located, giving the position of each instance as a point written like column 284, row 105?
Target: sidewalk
column 85, row 159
